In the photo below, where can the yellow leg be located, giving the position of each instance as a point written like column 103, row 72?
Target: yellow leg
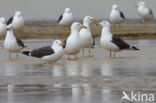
column 9, row 55
column 114, row 55
column 83, row 51
column 68, row 57
column 110, row 55
column 75, row 57
column 17, row 55
column 89, row 51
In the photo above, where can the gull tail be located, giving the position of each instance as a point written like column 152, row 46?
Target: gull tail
column 134, row 48
column 26, row 53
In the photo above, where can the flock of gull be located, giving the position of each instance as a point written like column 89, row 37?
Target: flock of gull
column 79, row 39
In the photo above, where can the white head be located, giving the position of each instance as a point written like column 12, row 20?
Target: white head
column 105, row 24
column 89, row 19
column 77, row 26
column 2, row 20
column 67, row 10
column 58, row 43
column 18, row 14
column 115, row 7
column 141, row 3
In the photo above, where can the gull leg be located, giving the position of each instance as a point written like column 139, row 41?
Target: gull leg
column 17, row 55
column 83, row 51
column 110, row 55
column 9, row 55
column 68, row 57
column 75, row 57
column 89, row 51
column 114, row 55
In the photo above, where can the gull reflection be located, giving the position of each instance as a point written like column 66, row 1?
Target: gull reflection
column 106, row 69
column 57, row 71
column 73, row 68
column 86, row 69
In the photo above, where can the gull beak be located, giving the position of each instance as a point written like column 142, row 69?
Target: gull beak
column 136, row 5
column 98, row 25
column 93, row 20
column 62, row 44
column 116, row 8
column 83, row 27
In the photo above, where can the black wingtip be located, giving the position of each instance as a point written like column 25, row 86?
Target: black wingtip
column 26, row 53
column 25, row 46
column 135, row 48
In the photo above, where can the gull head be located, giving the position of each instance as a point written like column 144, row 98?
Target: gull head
column 115, row 7
column 58, row 43
column 89, row 19
column 77, row 26
column 141, row 3
column 104, row 24
column 18, row 14
column 2, row 20
column 67, row 10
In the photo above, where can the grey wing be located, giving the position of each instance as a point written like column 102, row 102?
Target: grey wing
column 150, row 11
column 120, row 43
column 20, row 43
column 41, row 52
column 122, row 15
column 60, row 18
column 10, row 20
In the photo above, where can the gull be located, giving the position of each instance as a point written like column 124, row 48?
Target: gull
column 87, row 40
column 11, row 43
column 111, row 42
column 116, row 16
column 73, row 43
column 144, row 12
column 17, row 22
column 3, row 26
column 48, row 53
column 67, row 18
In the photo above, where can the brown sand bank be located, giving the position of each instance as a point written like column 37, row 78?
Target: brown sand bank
column 135, row 31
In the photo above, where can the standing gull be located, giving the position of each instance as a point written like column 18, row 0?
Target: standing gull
column 48, row 53
column 112, row 43
column 11, row 43
column 144, row 12
column 73, row 43
column 67, row 18
column 116, row 16
column 3, row 26
column 17, row 22
column 87, row 40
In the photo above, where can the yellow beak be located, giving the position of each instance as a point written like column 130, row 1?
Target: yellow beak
column 62, row 44
column 98, row 25
column 83, row 27
column 94, row 19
